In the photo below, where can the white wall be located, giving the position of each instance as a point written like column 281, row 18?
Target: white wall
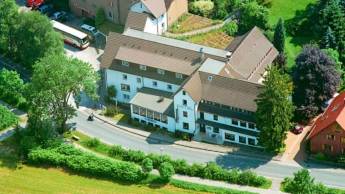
column 116, row 78
column 153, row 25
column 157, row 26
column 190, row 109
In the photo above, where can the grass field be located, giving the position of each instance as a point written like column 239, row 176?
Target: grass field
column 289, row 9
column 29, row 180
column 190, row 22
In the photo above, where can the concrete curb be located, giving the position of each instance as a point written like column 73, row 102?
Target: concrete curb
column 172, row 142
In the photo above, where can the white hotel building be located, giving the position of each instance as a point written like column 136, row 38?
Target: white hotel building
column 178, row 86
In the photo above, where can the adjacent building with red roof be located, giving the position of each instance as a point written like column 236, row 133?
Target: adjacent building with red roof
column 328, row 132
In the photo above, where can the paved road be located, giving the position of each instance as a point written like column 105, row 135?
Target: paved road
column 109, row 134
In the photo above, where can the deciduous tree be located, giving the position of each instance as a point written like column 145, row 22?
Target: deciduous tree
column 252, row 14
column 35, row 37
column 275, row 110
column 315, row 81
column 55, row 80
column 8, row 19
column 11, row 87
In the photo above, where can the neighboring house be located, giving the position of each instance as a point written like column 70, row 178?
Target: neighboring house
column 328, row 132
column 154, row 16
column 179, row 86
column 115, row 10
column 158, row 14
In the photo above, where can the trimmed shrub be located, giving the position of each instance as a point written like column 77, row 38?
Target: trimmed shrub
column 136, row 156
column 166, row 171
column 86, row 163
column 7, row 118
column 210, row 171
column 231, row 28
column 92, row 143
column 201, row 7
column 147, row 165
column 116, row 151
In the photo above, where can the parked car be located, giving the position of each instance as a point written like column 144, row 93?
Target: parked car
column 46, row 9
column 298, row 129
column 34, row 3
column 90, row 30
column 60, row 16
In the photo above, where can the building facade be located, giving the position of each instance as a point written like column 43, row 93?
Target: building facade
column 328, row 132
column 159, row 13
column 178, row 86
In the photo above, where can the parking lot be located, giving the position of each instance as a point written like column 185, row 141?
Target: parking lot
column 92, row 54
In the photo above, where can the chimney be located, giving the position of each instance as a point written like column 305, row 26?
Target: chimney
column 202, row 54
column 228, row 55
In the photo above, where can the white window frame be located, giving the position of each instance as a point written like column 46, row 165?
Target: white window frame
column 161, row 71
column 179, row 75
column 143, row 67
column 125, row 63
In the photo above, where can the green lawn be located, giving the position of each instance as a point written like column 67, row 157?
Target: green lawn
column 288, row 9
column 28, row 179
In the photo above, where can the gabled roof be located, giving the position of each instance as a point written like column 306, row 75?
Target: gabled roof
column 136, row 20
column 335, row 113
column 223, row 90
column 156, row 7
column 251, row 54
column 156, row 51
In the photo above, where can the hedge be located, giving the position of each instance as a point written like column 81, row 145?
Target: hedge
column 71, row 158
column 210, row 171
column 7, row 118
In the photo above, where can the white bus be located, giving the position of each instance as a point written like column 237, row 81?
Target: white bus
column 72, row 36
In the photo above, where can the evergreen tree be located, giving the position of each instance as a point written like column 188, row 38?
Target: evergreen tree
column 315, row 81
column 275, row 110
column 279, row 36
column 329, row 39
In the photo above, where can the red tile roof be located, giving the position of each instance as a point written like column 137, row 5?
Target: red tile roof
column 335, row 112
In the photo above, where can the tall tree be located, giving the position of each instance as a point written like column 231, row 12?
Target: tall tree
column 302, row 182
column 55, row 80
column 329, row 40
column 8, row 19
column 36, row 37
column 220, row 9
column 279, row 36
column 275, row 110
column 315, row 79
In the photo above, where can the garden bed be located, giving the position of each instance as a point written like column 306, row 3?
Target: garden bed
column 216, row 39
column 190, row 22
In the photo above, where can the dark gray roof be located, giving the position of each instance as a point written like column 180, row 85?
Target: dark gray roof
column 136, row 20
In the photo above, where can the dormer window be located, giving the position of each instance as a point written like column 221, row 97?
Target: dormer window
column 178, row 75
column 143, row 67
column 125, row 63
column 210, row 78
column 160, row 71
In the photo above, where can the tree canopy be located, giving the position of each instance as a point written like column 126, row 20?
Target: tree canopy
column 279, row 36
column 275, row 110
column 11, row 87
column 35, row 38
column 8, row 19
column 55, row 80
column 252, row 14
column 315, row 81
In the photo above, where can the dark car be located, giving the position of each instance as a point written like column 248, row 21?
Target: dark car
column 60, row 16
column 298, row 129
column 46, row 9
